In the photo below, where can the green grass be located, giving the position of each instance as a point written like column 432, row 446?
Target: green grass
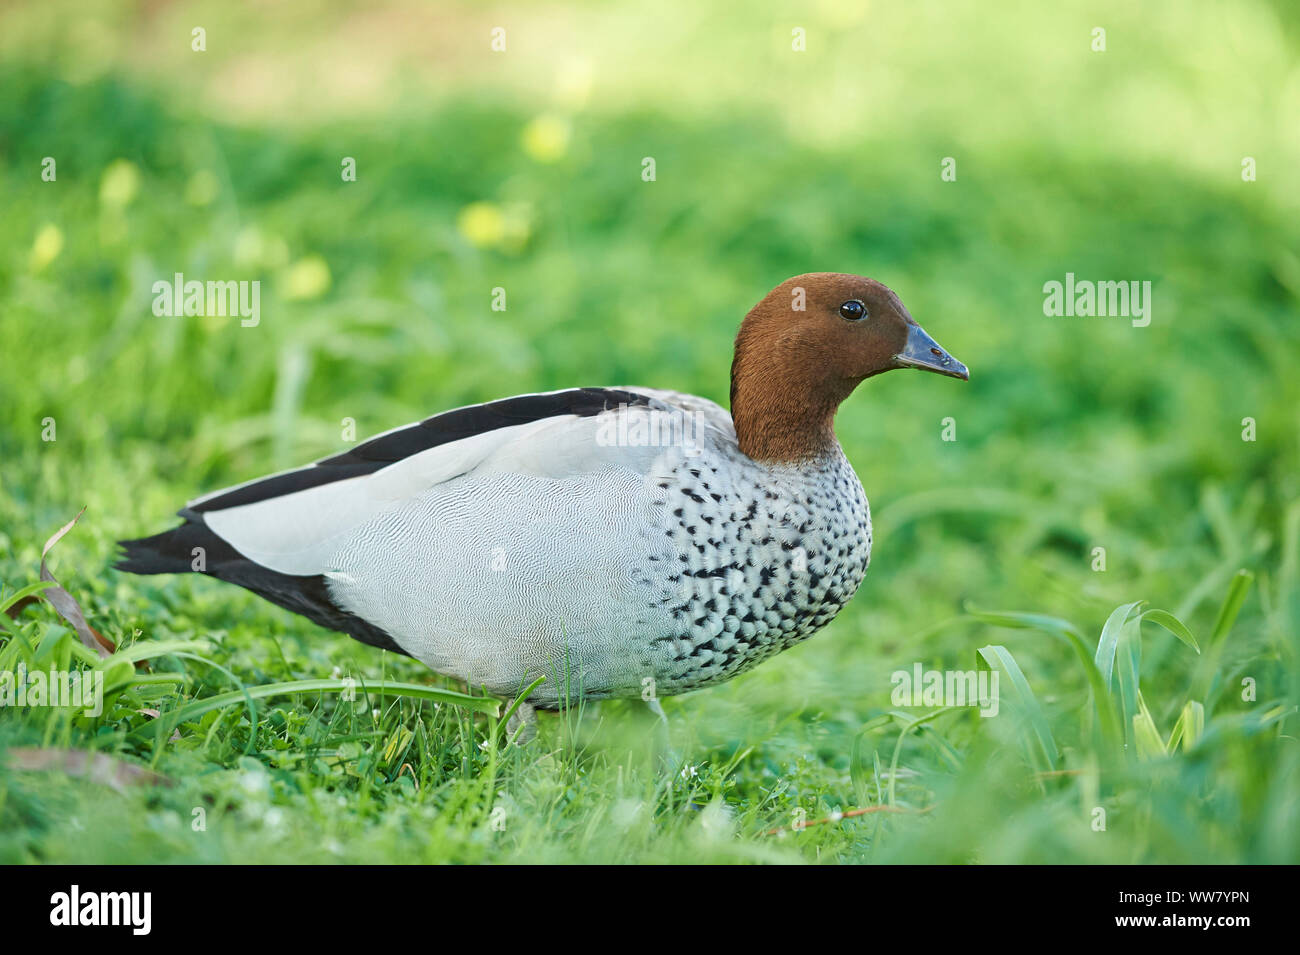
column 1073, row 434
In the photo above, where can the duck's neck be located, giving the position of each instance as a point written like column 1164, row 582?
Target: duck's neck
column 783, row 408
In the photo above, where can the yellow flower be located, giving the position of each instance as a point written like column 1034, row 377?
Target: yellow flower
column 119, row 184
column 488, row 225
column 482, row 223
column 46, row 248
column 307, row 278
column 546, row 138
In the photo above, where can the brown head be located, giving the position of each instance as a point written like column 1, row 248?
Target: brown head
column 805, row 347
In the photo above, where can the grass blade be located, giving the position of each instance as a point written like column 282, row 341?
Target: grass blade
column 1043, row 754
column 1145, row 735
column 1112, row 731
column 149, row 649
column 518, row 702
column 1163, row 618
column 477, row 704
column 909, row 725
column 1190, row 727
column 1109, row 642
column 857, row 762
column 1129, row 667
column 1232, row 603
column 1237, row 591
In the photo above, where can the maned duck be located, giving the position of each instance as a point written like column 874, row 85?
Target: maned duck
column 621, row 542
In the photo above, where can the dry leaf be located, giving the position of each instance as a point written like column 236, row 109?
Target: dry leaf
column 21, row 605
column 96, row 767
column 153, row 714
column 66, row 604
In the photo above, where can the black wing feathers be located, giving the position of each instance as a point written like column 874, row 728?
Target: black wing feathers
column 370, row 456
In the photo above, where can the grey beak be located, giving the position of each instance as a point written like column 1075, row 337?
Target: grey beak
column 924, row 352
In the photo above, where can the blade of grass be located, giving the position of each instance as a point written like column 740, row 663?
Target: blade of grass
column 1109, row 642
column 148, row 649
column 1237, row 591
column 1189, row 728
column 910, row 724
column 1145, row 735
column 1163, row 618
column 1129, row 667
column 1043, row 754
column 477, row 704
column 518, row 701
column 1231, row 607
column 857, row 764
column 1112, row 732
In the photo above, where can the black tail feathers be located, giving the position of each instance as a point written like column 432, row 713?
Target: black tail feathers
column 181, row 550
column 194, row 548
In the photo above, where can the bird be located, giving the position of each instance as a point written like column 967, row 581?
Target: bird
column 618, row 542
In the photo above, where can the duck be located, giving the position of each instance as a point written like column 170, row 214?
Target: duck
column 617, row 542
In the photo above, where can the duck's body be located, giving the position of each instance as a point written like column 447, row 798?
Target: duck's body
column 621, row 542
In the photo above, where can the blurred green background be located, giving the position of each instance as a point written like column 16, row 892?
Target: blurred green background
column 521, row 169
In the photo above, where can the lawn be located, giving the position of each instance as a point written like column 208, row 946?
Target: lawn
column 1092, row 471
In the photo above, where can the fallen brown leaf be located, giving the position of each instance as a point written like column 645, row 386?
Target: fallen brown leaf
column 66, row 604
column 18, row 607
column 97, row 767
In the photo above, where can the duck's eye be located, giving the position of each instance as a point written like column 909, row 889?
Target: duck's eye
column 853, row 310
